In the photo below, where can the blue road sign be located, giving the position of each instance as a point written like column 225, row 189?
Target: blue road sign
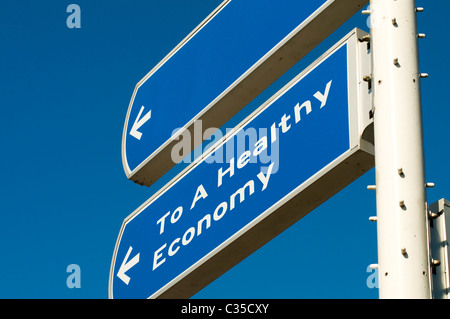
column 238, row 51
column 249, row 188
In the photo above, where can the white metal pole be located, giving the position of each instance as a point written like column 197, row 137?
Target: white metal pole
column 403, row 256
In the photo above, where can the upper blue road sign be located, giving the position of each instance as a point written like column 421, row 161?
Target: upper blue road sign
column 290, row 155
column 238, row 51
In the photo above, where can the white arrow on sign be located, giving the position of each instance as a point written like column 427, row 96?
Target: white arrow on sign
column 139, row 122
column 126, row 265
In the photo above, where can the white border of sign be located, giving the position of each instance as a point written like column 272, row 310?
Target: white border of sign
column 324, row 184
column 278, row 60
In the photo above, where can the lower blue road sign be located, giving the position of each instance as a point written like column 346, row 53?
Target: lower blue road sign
column 290, row 155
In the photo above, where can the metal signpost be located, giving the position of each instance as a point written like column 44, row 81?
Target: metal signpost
column 302, row 146
column 439, row 235
column 403, row 254
column 231, row 57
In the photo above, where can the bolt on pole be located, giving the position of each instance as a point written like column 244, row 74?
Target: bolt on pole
column 402, row 222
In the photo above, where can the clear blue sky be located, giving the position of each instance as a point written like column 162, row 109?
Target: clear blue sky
column 64, row 97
